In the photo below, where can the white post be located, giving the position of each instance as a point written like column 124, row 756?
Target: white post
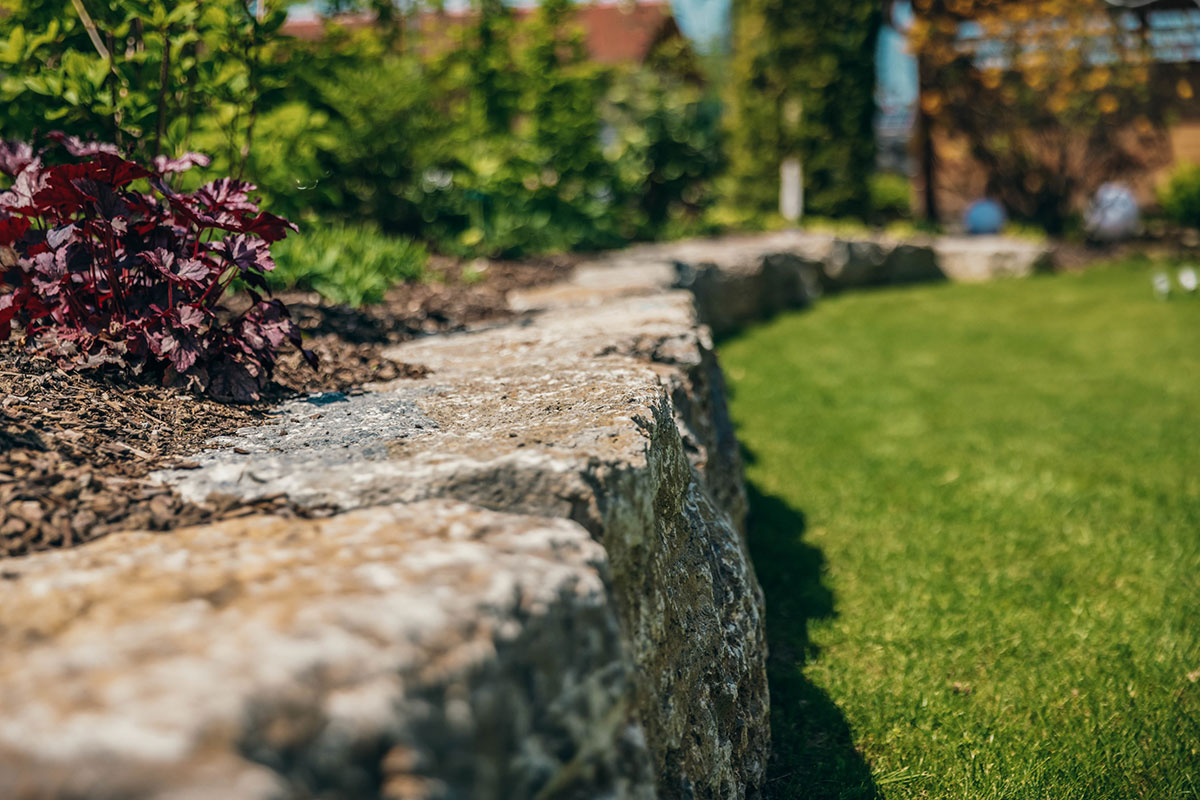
column 791, row 190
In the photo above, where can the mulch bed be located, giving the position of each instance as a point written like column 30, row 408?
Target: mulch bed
column 75, row 448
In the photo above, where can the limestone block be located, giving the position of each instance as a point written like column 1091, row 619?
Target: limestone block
column 975, row 259
column 431, row 650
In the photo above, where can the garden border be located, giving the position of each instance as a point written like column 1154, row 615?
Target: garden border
column 537, row 583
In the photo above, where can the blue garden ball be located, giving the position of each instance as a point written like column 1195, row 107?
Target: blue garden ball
column 984, row 217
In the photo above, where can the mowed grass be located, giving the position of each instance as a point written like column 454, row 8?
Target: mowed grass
column 976, row 517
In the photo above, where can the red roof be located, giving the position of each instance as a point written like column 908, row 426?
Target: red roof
column 623, row 33
column 614, row 33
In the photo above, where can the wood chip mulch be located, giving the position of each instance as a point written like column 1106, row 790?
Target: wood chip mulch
column 75, row 448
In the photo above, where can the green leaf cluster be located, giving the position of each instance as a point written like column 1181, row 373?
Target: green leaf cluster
column 1180, row 196
column 509, row 140
column 354, row 265
column 145, row 74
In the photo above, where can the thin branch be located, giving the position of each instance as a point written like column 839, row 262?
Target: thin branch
column 90, row 26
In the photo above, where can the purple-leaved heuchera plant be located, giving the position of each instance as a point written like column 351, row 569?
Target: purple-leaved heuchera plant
column 103, row 263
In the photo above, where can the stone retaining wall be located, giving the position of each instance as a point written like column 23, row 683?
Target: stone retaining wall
column 536, row 584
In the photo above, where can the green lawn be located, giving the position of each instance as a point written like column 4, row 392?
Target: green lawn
column 976, row 517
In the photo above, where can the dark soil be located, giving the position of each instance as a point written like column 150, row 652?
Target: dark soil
column 458, row 296
column 75, row 448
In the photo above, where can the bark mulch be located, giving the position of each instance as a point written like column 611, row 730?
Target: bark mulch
column 75, row 448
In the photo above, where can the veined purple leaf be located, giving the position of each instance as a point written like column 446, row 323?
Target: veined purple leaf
column 166, row 166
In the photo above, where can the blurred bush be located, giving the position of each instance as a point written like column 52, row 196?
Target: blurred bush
column 891, row 196
column 1180, row 196
column 354, row 265
column 512, row 142
column 1045, row 118
column 143, row 74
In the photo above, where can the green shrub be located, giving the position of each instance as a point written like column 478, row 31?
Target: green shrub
column 354, row 265
column 503, row 140
column 891, row 196
column 1180, row 197
column 514, row 143
column 665, row 144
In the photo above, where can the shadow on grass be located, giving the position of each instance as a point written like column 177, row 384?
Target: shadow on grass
column 814, row 756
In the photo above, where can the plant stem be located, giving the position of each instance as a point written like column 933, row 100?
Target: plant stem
column 92, row 33
column 162, row 92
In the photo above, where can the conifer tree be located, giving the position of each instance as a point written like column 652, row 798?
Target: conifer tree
column 802, row 85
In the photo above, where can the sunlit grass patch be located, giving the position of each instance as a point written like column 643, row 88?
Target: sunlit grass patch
column 977, row 521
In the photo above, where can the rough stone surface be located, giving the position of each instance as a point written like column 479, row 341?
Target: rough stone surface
column 612, row 416
column 427, row 650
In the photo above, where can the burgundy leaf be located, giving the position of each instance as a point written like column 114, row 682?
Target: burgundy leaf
column 12, row 229
column 116, row 171
column 57, row 237
column 232, row 380
column 268, row 226
column 19, row 199
column 226, row 194
column 194, row 270
column 175, row 268
column 8, row 309
column 51, row 265
column 192, row 317
column 247, row 253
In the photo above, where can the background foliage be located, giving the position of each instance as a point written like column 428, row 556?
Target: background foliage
column 510, row 141
column 803, row 82
column 145, row 74
column 1053, row 110
column 1180, row 197
column 498, row 138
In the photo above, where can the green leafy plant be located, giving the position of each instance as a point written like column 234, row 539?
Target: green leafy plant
column 512, row 141
column 354, row 265
column 144, row 73
column 1180, row 196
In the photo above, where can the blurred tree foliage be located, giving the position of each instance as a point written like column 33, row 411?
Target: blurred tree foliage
column 1180, row 196
column 505, row 139
column 1051, row 97
column 491, row 136
column 802, row 85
